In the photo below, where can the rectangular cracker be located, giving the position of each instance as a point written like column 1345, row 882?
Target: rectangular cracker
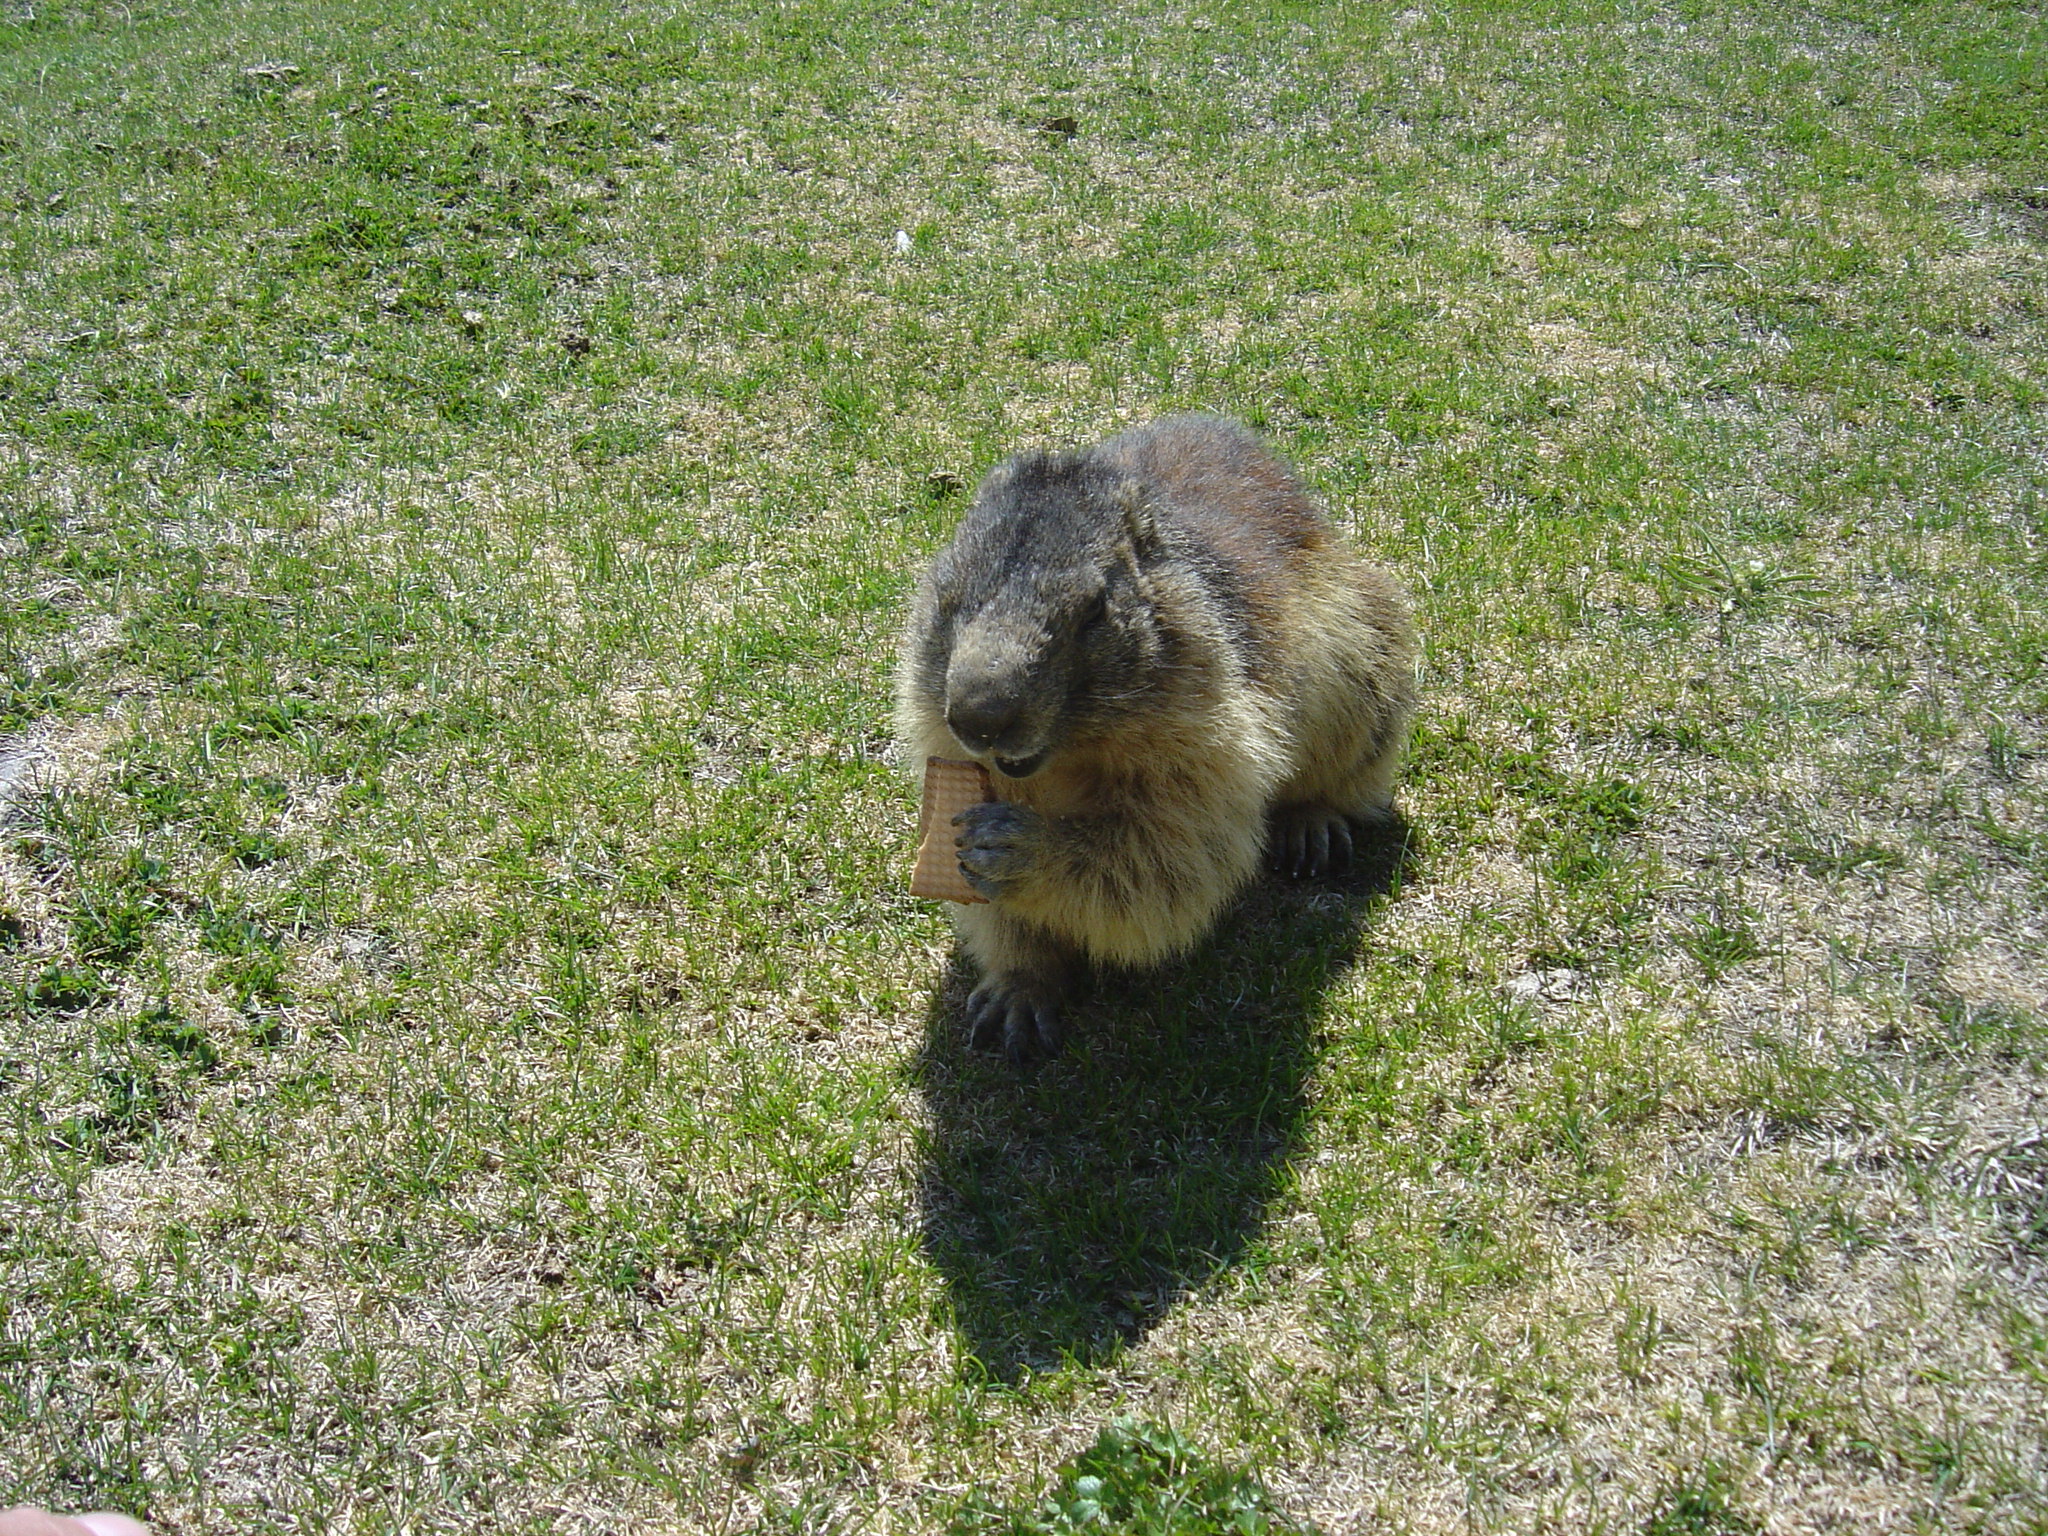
column 949, row 788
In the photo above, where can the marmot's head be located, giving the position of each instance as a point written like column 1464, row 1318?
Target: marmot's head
column 1036, row 628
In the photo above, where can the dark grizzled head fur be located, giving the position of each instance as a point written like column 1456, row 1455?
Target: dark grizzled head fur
column 1037, row 623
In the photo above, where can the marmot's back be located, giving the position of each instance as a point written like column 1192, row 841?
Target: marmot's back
column 1226, row 487
column 1237, row 514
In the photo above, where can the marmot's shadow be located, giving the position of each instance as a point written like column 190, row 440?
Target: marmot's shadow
column 1070, row 1205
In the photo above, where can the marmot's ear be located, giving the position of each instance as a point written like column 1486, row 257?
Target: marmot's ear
column 1135, row 502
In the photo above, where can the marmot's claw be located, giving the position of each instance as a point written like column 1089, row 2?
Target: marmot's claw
column 998, row 844
column 1278, row 859
column 1015, row 1018
column 1340, row 842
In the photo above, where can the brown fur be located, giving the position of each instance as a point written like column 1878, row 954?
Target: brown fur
column 1172, row 665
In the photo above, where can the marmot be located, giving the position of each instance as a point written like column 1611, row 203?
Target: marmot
column 1172, row 665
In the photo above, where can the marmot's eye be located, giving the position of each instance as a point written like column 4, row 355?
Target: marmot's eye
column 1098, row 605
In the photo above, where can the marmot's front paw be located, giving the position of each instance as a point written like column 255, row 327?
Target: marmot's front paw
column 1017, row 1016
column 999, row 845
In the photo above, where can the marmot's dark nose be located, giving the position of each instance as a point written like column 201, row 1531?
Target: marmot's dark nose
column 978, row 716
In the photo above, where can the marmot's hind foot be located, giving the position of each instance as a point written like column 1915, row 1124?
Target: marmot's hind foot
column 1307, row 841
column 1016, row 1016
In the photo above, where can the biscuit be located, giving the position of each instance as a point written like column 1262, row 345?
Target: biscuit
column 949, row 788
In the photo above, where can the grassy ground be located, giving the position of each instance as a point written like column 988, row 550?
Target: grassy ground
column 467, row 1061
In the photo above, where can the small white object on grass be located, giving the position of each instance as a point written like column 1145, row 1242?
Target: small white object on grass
column 902, row 242
column 1558, row 986
column 26, row 1520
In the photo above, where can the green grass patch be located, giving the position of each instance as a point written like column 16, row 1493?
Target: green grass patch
column 1141, row 1480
